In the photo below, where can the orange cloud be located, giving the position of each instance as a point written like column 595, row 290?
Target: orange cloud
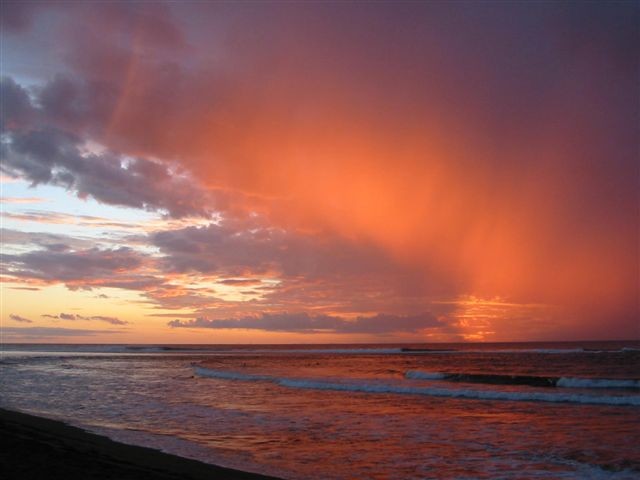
column 476, row 161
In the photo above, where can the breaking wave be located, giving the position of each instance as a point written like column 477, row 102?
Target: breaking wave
column 422, row 375
column 352, row 385
column 569, row 382
column 530, row 380
column 226, row 375
column 359, row 351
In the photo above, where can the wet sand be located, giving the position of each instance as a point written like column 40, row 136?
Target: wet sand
column 37, row 448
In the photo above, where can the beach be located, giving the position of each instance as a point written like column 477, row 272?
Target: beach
column 35, row 448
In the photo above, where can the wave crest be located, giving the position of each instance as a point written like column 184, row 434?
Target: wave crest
column 384, row 388
column 530, row 380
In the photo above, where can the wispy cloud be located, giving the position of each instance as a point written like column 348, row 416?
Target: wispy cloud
column 58, row 218
column 99, row 318
column 240, row 282
column 18, row 318
column 22, row 200
column 7, row 179
column 50, row 241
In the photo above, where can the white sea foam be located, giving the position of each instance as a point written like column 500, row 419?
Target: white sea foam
column 429, row 391
column 145, row 349
column 563, row 382
column 534, row 350
column 464, row 393
column 568, row 382
column 226, row 375
column 555, row 350
column 560, row 351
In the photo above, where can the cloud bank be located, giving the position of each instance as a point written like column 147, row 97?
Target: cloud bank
column 306, row 323
column 18, row 333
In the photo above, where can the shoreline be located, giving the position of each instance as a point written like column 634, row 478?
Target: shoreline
column 33, row 447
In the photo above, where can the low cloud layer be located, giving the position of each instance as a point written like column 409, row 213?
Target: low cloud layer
column 235, row 248
column 17, row 333
column 81, row 268
column 306, row 323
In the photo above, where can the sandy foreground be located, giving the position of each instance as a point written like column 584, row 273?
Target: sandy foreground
column 38, row 448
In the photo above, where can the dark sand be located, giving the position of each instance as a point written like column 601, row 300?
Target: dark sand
column 37, row 448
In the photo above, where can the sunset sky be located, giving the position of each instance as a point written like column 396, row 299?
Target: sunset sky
column 277, row 172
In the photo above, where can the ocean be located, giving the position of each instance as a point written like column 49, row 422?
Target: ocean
column 450, row 411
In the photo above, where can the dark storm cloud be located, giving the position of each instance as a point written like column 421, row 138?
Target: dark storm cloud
column 235, row 248
column 82, row 269
column 44, row 142
column 16, row 15
column 306, row 323
column 16, row 111
column 54, row 157
column 73, row 265
column 78, row 106
column 75, row 104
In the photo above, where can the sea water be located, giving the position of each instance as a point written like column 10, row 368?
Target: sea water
column 462, row 411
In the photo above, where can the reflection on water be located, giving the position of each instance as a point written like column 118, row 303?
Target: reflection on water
column 254, row 419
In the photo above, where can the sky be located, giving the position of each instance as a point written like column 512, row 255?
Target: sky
column 319, row 172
